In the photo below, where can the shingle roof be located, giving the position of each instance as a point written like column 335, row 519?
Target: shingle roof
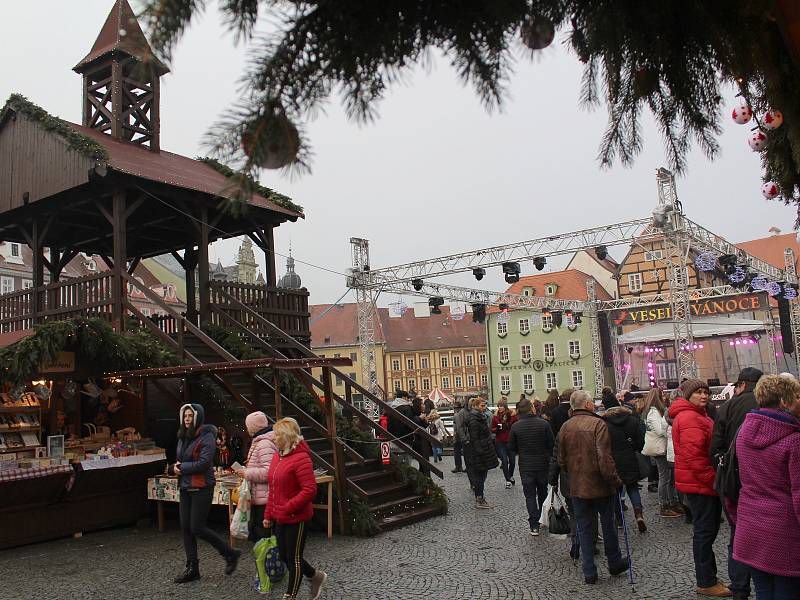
column 770, row 249
column 571, row 286
column 407, row 333
column 338, row 326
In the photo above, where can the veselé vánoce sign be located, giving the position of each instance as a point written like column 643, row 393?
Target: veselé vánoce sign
column 707, row 307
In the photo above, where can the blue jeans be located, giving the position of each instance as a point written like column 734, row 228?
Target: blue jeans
column 457, row 450
column 707, row 516
column 437, row 453
column 775, row 587
column 633, row 494
column 534, row 486
column 586, row 512
column 507, row 459
column 738, row 573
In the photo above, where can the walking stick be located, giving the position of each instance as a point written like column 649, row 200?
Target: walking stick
column 627, row 545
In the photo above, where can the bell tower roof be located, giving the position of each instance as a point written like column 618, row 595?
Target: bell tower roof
column 121, row 33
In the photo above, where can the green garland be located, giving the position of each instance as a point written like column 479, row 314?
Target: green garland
column 77, row 142
column 251, row 185
column 94, row 343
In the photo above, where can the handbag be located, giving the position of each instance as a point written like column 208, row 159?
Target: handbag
column 644, row 466
column 240, row 523
column 270, row 568
column 557, row 515
column 727, row 482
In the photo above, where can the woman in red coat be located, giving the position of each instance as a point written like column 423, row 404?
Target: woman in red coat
column 292, row 488
column 694, row 476
column 501, row 428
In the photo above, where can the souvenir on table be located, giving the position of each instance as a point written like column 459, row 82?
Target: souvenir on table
column 69, row 390
column 222, row 457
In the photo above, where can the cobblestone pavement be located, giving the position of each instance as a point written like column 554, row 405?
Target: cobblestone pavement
column 467, row 555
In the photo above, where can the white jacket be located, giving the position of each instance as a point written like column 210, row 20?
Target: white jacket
column 441, row 431
column 655, row 438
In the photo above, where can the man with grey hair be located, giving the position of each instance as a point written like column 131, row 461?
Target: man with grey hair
column 584, row 452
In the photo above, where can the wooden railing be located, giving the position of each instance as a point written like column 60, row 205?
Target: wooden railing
column 286, row 309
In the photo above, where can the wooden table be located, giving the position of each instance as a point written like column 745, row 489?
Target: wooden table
column 328, row 479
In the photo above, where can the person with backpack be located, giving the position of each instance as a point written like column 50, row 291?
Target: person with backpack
column 694, row 476
column 767, row 514
column 437, row 429
column 730, row 417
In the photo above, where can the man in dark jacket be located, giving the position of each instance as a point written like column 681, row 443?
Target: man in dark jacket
column 480, row 449
column 399, row 428
column 730, row 416
column 560, row 413
column 627, row 439
column 532, row 441
column 457, row 447
column 584, row 451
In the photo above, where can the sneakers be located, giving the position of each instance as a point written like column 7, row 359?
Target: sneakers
column 508, row 485
column 678, row 508
column 669, row 513
column 618, row 566
column 480, row 502
column 317, row 581
column 231, row 561
column 640, row 520
column 718, row 590
column 535, row 531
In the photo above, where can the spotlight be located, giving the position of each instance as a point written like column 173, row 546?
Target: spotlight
column 601, row 252
column 503, row 306
column 435, row 303
column 557, row 318
column 417, row 284
column 728, row 263
column 539, row 262
column 629, row 349
column 546, row 312
column 578, row 318
column 478, row 313
column 479, row 272
column 511, row 270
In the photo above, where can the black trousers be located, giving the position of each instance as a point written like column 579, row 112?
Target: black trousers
column 707, row 515
column 291, row 544
column 193, row 510
column 255, row 526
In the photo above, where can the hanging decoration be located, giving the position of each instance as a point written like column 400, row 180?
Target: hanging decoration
column 738, row 276
column 757, row 140
column 457, row 312
column 774, row 288
column 790, row 291
column 705, row 261
column 772, row 119
column 742, row 113
column 770, row 190
column 537, row 32
column 272, row 141
column 759, row 283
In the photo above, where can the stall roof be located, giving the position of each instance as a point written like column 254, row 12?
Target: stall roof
column 242, row 365
column 702, row 327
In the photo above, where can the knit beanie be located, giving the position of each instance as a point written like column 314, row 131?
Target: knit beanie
column 690, row 386
column 256, row 421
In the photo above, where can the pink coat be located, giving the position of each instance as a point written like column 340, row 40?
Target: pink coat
column 259, row 460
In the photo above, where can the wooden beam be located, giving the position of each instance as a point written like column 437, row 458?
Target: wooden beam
column 104, row 212
column 107, row 259
column 203, row 266
column 336, row 447
column 134, row 263
column 132, row 208
column 269, row 254
column 38, row 271
column 118, row 295
column 66, row 257
column 179, row 258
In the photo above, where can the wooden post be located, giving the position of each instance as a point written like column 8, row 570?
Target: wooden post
column 53, row 295
column 38, row 273
column 203, row 266
column 116, row 100
column 269, row 256
column 190, row 260
column 276, row 384
column 338, row 452
column 118, row 215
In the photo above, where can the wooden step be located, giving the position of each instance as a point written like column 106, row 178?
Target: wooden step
column 387, row 492
column 404, row 499
column 409, row 517
column 372, row 480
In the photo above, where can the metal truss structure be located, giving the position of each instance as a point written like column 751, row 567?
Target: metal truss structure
column 794, row 307
column 594, row 328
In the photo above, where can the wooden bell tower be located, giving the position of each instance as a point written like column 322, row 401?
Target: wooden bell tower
column 121, row 81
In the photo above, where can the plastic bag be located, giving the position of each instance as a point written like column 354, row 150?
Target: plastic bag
column 270, row 568
column 240, row 523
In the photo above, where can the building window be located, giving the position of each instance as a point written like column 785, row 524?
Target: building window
column 458, row 381
column 339, row 381
column 456, row 360
column 482, row 360
column 551, row 381
column 337, row 355
column 321, row 355
column 484, row 379
column 426, row 384
column 577, row 379
column 635, row 282
column 524, row 326
column 446, row 382
column 547, row 321
column 469, row 359
column 471, row 381
column 15, row 250
column 550, row 289
column 412, row 384
column 504, row 354
column 505, row 384
column 423, row 362
column 445, row 362
column 409, row 364
column 6, row 285
column 27, row 284
column 397, row 384
column 652, row 255
column 502, row 328
column 352, row 376
column 146, row 312
column 525, row 352
column 527, row 382
column 569, row 320
column 574, row 347
column 354, row 356
column 395, row 364
column 549, row 350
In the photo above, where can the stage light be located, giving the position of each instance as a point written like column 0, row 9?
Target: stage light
column 539, row 262
column 661, row 216
column 478, row 313
column 503, row 306
column 417, row 284
column 557, row 318
column 479, row 272
column 578, row 318
column 728, row 263
column 511, row 270
column 601, row 252
column 435, row 303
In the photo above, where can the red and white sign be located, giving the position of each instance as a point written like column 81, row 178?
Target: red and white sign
column 385, row 452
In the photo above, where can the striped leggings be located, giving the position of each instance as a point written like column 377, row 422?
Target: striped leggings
column 291, row 543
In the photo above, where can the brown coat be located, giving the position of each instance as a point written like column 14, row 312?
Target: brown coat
column 584, row 450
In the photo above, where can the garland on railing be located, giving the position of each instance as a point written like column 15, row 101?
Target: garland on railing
column 94, row 342
column 78, row 142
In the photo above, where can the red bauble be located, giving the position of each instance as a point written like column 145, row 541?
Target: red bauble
column 772, row 119
column 757, row 140
column 770, row 190
column 537, row 32
column 742, row 113
column 272, row 143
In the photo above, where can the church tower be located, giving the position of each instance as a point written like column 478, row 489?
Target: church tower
column 121, row 81
column 246, row 262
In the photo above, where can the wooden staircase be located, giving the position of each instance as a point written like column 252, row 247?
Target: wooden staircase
column 393, row 503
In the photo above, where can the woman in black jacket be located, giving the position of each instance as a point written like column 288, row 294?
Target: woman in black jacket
column 197, row 445
column 627, row 439
column 481, row 449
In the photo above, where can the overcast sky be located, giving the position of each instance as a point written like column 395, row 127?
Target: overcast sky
column 435, row 174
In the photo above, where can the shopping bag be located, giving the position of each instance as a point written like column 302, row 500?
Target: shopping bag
column 557, row 516
column 543, row 521
column 240, row 523
column 276, row 570
column 270, row 568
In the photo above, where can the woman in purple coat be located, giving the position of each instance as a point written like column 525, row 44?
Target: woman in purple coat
column 768, row 512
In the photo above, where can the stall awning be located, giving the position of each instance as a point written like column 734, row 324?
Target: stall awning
column 702, row 327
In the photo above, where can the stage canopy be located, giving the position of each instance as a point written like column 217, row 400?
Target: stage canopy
column 702, row 327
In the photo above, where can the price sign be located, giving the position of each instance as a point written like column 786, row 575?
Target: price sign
column 385, row 452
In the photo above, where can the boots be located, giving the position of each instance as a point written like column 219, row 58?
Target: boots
column 618, row 567
column 639, row 515
column 231, row 560
column 191, row 573
column 480, row 502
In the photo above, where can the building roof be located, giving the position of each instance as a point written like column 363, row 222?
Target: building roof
column 338, row 326
column 770, row 249
column 434, row 332
column 608, row 263
column 571, row 285
column 290, row 280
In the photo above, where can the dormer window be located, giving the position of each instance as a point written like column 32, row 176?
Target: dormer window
column 91, row 266
column 550, row 289
column 15, row 251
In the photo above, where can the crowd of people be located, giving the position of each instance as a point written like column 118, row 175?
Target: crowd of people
column 741, row 460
